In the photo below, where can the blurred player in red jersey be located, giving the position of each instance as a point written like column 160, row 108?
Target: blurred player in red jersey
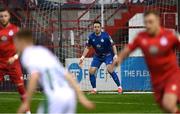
column 9, row 63
column 158, row 46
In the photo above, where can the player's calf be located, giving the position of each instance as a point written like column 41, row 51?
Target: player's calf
column 110, row 68
column 115, row 77
column 22, row 92
column 92, row 70
column 93, row 79
column 169, row 103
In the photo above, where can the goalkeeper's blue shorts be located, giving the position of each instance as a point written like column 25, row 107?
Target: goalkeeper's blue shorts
column 98, row 60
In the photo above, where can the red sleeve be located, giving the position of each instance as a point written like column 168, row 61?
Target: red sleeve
column 134, row 44
column 176, row 38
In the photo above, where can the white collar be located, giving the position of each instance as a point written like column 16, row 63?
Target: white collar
column 98, row 34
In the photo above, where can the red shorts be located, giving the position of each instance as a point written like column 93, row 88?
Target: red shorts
column 14, row 71
column 172, row 86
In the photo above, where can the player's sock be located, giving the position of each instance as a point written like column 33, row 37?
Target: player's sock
column 178, row 111
column 94, row 89
column 115, row 78
column 120, row 87
column 93, row 80
column 28, row 112
column 21, row 91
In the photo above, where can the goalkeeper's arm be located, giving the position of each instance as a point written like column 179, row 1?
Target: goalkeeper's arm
column 86, row 50
column 115, row 52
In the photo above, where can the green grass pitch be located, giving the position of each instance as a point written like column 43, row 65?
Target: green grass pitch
column 105, row 103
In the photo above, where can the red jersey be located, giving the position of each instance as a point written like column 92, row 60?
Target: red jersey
column 159, row 53
column 7, row 48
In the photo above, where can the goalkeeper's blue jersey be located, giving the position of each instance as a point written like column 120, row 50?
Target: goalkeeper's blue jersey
column 101, row 43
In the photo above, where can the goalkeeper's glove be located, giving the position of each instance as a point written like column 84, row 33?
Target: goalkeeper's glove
column 115, row 57
column 82, row 58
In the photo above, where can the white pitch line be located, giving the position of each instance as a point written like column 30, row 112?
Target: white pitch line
column 101, row 92
column 126, row 92
column 123, row 103
column 98, row 102
column 17, row 99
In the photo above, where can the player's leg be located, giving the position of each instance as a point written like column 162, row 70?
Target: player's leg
column 171, row 93
column 15, row 74
column 2, row 70
column 169, row 103
column 1, row 76
column 16, row 77
column 110, row 68
column 92, row 71
column 95, row 64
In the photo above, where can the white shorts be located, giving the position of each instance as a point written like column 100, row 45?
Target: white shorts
column 62, row 101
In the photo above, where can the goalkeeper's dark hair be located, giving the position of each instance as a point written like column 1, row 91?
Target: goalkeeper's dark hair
column 97, row 22
column 3, row 9
column 24, row 34
column 149, row 12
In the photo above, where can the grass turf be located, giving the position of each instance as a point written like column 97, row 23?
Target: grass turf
column 105, row 103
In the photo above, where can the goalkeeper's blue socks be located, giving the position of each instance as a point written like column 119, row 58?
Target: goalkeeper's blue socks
column 93, row 80
column 115, row 78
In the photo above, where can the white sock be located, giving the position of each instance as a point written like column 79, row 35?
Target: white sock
column 28, row 112
column 119, row 87
column 94, row 89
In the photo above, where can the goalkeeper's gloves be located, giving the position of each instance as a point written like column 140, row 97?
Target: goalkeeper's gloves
column 81, row 61
column 115, row 57
column 82, row 58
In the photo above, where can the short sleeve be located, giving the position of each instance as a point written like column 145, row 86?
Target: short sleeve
column 134, row 44
column 111, row 40
column 88, row 42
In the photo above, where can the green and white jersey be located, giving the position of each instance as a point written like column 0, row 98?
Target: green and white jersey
column 52, row 73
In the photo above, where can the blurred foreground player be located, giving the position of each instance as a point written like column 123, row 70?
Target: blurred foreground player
column 105, row 52
column 58, row 84
column 158, row 45
column 9, row 63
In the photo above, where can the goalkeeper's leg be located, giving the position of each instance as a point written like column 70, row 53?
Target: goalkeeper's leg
column 115, row 77
column 110, row 68
column 92, row 77
column 96, row 63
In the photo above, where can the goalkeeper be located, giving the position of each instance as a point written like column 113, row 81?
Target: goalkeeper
column 105, row 51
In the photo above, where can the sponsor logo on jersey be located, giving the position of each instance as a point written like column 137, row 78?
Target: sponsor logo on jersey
column 102, row 40
column 153, row 50
column 76, row 70
column 4, row 38
column 93, row 40
column 98, row 46
column 163, row 41
column 11, row 33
